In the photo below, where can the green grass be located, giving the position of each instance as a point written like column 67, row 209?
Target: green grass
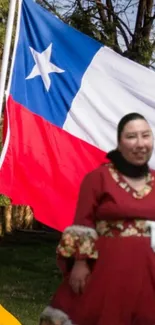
column 28, row 275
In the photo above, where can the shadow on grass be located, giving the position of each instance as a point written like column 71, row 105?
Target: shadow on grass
column 28, row 275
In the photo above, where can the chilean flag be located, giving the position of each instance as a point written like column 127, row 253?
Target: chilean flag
column 65, row 96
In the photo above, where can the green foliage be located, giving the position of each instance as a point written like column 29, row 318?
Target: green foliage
column 125, row 26
column 4, row 201
column 107, row 21
column 3, row 18
column 142, row 51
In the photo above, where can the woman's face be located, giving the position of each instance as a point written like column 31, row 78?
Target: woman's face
column 136, row 142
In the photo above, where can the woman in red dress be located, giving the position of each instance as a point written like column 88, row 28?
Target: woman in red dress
column 108, row 255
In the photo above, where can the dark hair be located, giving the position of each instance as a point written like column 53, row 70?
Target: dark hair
column 125, row 119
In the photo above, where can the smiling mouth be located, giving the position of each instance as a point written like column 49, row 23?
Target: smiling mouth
column 140, row 154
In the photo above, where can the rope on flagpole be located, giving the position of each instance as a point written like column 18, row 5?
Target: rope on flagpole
column 6, row 52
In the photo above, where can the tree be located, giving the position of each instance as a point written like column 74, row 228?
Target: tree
column 127, row 26
column 3, row 18
column 52, row 6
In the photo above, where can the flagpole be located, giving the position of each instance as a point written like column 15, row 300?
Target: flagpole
column 6, row 52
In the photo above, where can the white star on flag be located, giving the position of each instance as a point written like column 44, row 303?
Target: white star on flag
column 43, row 66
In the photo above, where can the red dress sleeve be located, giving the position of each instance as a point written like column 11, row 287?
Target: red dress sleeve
column 88, row 200
column 79, row 240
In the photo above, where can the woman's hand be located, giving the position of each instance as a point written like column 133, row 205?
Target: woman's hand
column 78, row 276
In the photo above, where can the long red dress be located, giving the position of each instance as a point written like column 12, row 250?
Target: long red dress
column 121, row 287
